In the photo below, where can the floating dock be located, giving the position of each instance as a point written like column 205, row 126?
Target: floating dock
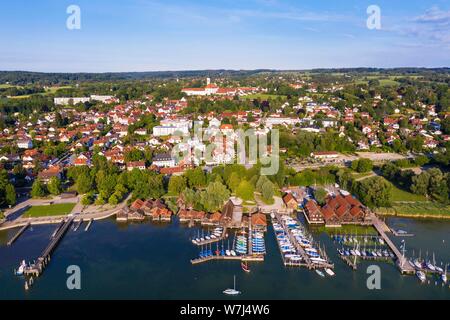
column 18, row 234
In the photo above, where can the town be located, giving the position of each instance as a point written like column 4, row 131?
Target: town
column 354, row 147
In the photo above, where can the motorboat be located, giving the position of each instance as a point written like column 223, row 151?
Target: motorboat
column 320, row 273
column 21, row 268
column 330, row 272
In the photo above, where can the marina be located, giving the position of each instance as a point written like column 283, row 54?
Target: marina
column 296, row 245
column 113, row 244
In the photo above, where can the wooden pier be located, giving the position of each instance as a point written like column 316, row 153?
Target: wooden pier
column 18, row 234
column 205, row 242
column 246, row 258
column 306, row 260
column 38, row 267
column 402, row 263
column 88, row 225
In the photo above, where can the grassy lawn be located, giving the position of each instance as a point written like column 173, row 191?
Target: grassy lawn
column 48, row 211
column 418, row 209
column 402, row 195
column 52, row 90
column 347, row 229
column 25, row 96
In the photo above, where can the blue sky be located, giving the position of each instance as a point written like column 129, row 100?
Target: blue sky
column 150, row 35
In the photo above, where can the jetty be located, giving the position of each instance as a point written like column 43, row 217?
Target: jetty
column 78, row 225
column 402, row 263
column 88, row 225
column 214, row 240
column 245, row 258
column 37, row 267
column 306, row 260
column 18, row 234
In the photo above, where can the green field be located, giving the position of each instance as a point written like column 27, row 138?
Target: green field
column 346, row 229
column 418, row 209
column 60, row 209
column 402, row 195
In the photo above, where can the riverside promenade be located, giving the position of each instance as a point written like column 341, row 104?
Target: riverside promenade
column 79, row 210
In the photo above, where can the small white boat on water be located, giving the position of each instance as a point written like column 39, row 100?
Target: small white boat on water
column 421, row 275
column 320, row 273
column 417, row 264
column 330, row 272
column 228, row 253
column 21, row 268
column 232, row 292
column 430, row 266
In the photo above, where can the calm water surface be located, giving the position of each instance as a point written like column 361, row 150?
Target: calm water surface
column 148, row 261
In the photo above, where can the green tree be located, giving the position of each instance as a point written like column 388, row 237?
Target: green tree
column 420, row 183
column 10, row 195
column 245, row 191
column 176, row 185
column 362, row 165
column 196, row 177
column 374, row 192
column 233, row 182
column 320, row 195
column 267, row 191
column 84, row 183
column 213, row 198
column 38, row 189
column 54, row 186
column 87, row 199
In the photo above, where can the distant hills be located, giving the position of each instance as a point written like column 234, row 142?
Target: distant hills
column 26, row 77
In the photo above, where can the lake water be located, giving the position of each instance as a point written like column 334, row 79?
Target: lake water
column 149, row 261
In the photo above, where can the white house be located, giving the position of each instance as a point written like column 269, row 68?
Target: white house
column 24, row 144
column 163, row 160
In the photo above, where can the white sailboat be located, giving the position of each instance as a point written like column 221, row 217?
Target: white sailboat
column 232, row 292
column 444, row 275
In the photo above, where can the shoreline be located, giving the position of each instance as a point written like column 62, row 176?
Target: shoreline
column 414, row 216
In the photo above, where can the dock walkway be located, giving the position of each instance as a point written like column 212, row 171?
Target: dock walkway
column 38, row 267
column 402, row 263
column 18, row 234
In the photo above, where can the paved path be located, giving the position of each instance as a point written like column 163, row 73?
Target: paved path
column 100, row 215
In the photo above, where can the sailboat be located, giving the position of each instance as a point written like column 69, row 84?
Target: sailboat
column 227, row 252
column 245, row 267
column 444, row 275
column 232, row 292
